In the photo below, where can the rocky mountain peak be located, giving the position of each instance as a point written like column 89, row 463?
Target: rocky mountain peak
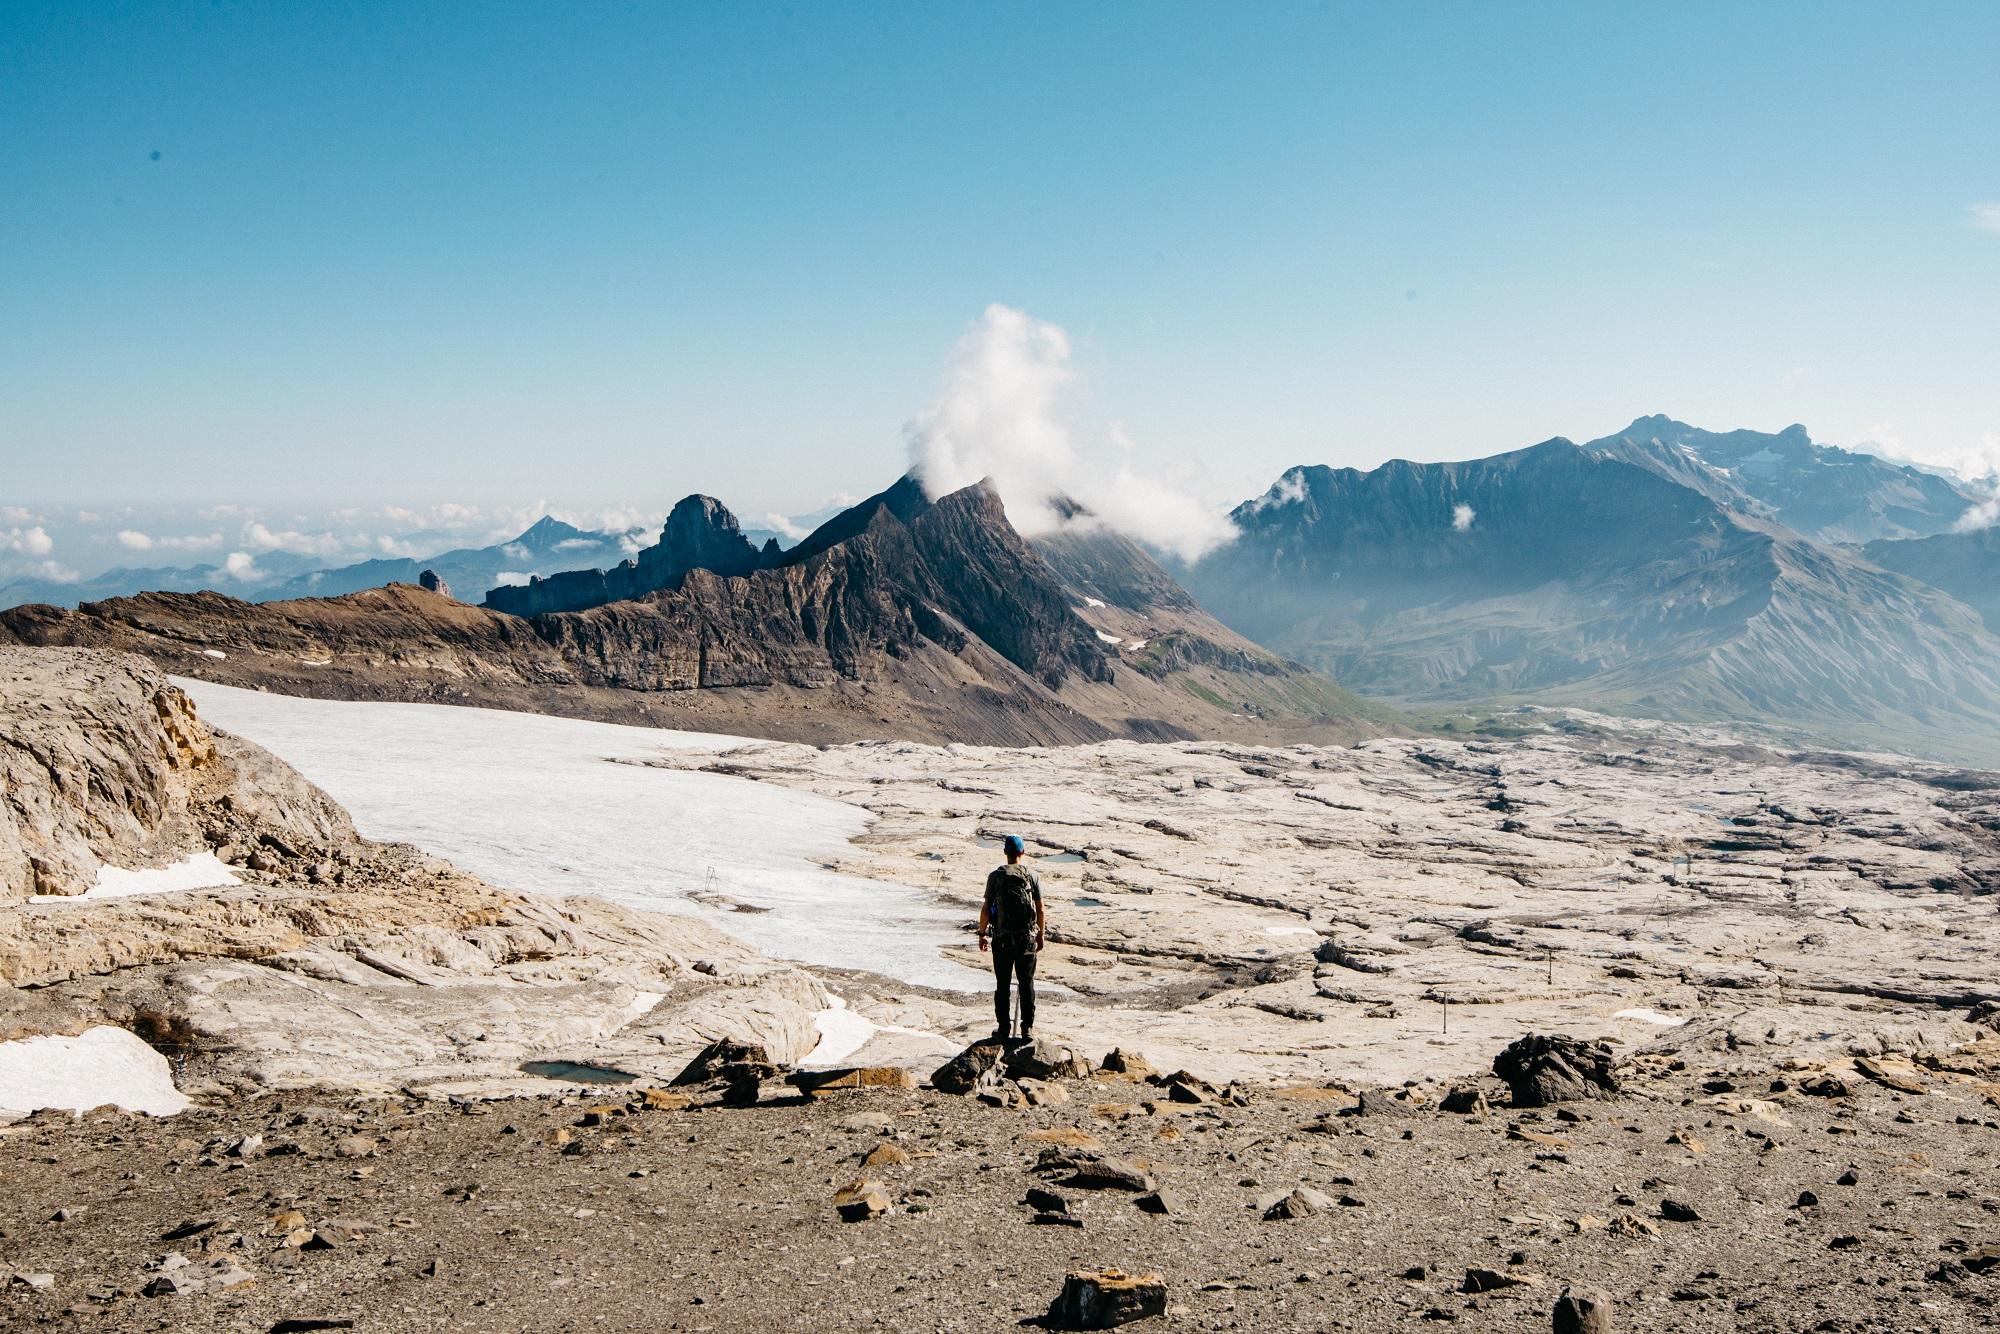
column 547, row 532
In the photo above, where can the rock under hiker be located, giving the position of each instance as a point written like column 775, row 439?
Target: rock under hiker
column 1012, row 913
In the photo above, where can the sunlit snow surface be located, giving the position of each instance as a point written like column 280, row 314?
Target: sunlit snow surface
column 204, row 870
column 1646, row 1016
column 99, row 1065
column 542, row 804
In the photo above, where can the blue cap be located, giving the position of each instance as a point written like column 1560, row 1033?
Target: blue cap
column 1012, row 844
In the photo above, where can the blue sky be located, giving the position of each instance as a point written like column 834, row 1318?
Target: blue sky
column 490, row 255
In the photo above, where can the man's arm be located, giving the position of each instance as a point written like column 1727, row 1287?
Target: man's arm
column 1041, row 918
column 985, row 920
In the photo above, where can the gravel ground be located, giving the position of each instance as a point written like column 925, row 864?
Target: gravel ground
column 425, row 1216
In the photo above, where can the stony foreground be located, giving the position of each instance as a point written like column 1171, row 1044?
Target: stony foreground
column 1680, row 1205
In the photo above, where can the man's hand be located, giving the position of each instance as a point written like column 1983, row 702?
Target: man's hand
column 1041, row 940
column 982, row 944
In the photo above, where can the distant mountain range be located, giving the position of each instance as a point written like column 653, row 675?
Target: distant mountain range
column 1663, row 571
column 1635, row 574
column 903, row 616
column 1818, row 491
column 547, row 546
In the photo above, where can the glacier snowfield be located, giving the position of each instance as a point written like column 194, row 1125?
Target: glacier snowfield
column 559, row 806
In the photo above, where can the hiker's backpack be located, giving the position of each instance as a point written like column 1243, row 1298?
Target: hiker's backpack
column 1012, row 889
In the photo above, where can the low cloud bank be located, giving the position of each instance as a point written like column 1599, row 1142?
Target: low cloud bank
column 1008, row 410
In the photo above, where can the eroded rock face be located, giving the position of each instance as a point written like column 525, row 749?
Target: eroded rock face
column 1543, row 1070
column 102, row 760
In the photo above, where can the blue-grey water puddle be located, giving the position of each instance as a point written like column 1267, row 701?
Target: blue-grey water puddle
column 576, row 1072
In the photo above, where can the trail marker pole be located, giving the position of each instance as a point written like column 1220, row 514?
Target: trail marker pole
column 1445, row 1001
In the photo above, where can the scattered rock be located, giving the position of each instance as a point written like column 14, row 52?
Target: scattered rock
column 1491, row 1280
column 1107, row 1298
column 1041, row 1093
column 663, row 1100
column 862, row 1122
column 1465, row 1101
column 1631, row 1225
column 1305, row 1202
column 964, row 1072
column 861, row 1200
column 726, row 1061
column 1046, row 1201
column 1581, row 1311
column 1676, row 1212
column 172, row 1283
column 1903, row 1080
column 1095, row 1173
column 1042, row 1059
column 1161, row 1202
column 815, row 1082
column 884, row 1155
column 1130, row 1064
column 1542, row 1070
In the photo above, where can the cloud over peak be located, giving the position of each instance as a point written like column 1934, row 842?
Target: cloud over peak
column 1008, row 410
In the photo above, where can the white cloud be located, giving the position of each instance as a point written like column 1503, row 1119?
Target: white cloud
column 1462, row 517
column 33, row 541
column 1983, row 515
column 134, row 540
column 1973, row 460
column 1986, row 217
column 260, row 538
column 190, row 542
column 14, row 514
column 1287, row 490
column 395, row 546
column 512, row 578
column 242, row 567
column 782, row 526
column 1005, row 411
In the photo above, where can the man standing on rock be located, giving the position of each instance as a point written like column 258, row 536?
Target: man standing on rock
column 1013, row 914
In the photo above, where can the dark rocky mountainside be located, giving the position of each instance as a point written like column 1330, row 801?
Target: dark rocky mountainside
column 1615, row 576
column 1965, row 565
column 1826, row 493
column 902, row 617
column 700, row 534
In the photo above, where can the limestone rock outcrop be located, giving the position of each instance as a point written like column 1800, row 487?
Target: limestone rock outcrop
column 105, row 763
column 332, row 960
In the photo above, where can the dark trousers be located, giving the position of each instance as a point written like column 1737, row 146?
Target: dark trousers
column 1020, row 965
